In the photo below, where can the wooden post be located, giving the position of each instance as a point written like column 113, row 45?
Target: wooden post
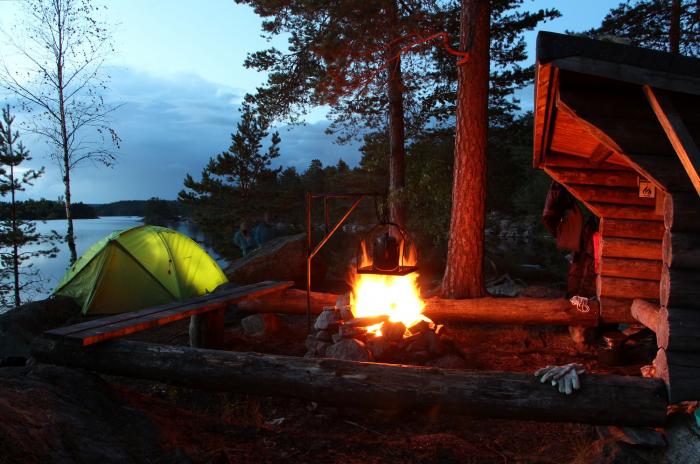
column 207, row 330
column 603, row 399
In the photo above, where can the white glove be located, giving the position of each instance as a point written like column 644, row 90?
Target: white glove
column 566, row 377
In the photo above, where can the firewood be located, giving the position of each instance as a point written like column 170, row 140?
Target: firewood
column 602, row 399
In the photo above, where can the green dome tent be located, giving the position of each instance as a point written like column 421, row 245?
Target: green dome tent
column 137, row 268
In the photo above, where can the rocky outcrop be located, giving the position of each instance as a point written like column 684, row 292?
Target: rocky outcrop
column 19, row 326
column 283, row 258
column 59, row 415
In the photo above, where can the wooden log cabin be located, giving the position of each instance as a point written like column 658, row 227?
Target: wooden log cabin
column 619, row 127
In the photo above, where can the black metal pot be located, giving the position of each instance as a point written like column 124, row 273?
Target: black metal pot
column 385, row 255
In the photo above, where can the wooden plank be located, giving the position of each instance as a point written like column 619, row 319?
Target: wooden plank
column 515, row 395
column 646, row 313
column 616, row 247
column 546, row 78
column 681, row 373
column 610, row 210
column 564, row 160
column 621, row 196
column 677, row 133
column 618, row 287
column 630, row 228
column 622, row 178
column 90, row 332
column 630, row 267
column 199, row 300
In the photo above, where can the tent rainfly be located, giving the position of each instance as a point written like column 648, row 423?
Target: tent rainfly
column 137, row 268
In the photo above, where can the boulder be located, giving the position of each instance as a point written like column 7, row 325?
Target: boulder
column 259, row 325
column 283, row 258
column 349, row 349
column 19, row 326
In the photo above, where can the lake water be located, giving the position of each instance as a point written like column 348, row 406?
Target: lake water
column 87, row 232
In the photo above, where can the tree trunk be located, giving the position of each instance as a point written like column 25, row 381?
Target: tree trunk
column 675, row 32
column 602, row 399
column 15, row 235
column 397, row 151
column 463, row 274
column 65, row 143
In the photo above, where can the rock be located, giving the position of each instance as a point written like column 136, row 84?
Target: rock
column 346, row 313
column 315, row 347
column 393, row 331
column 19, row 326
column 324, row 336
column 328, row 319
column 282, row 258
column 259, row 325
column 380, row 347
column 504, row 286
column 60, row 415
column 350, row 350
column 347, row 331
column 343, row 301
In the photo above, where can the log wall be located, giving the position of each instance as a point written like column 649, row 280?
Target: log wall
column 631, row 227
column 678, row 326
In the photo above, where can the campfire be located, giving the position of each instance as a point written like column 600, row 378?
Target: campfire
column 381, row 320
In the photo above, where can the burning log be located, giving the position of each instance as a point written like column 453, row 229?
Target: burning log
column 603, row 399
column 487, row 310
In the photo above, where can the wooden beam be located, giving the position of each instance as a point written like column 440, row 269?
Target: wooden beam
column 631, row 268
column 646, row 313
column 677, row 133
column 617, row 196
column 488, row 310
column 600, row 155
column 618, row 287
column 631, row 228
column 607, row 399
column 616, row 310
column 617, row 247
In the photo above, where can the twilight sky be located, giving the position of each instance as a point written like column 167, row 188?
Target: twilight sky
column 178, row 72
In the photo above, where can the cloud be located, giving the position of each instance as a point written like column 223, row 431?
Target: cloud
column 170, row 127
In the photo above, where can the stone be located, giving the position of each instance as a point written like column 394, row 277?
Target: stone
column 380, row 347
column 19, row 326
column 324, row 336
column 315, row 347
column 259, row 325
column 348, row 331
column 343, row 300
column 282, row 258
column 328, row 319
column 393, row 331
column 350, row 350
column 346, row 312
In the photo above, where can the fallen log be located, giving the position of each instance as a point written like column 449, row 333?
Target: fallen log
column 603, row 399
column 487, row 310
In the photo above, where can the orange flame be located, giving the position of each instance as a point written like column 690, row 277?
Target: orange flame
column 395, row 296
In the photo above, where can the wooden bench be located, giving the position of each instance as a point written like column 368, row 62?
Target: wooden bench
column 207, row 313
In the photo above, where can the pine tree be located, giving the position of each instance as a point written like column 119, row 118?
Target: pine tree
column 668, row 25
column 238, row 182
column 15, row 233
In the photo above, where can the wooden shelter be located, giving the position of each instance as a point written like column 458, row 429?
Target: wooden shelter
column 619, row 127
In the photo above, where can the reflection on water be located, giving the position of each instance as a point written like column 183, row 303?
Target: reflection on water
column 87, row 232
